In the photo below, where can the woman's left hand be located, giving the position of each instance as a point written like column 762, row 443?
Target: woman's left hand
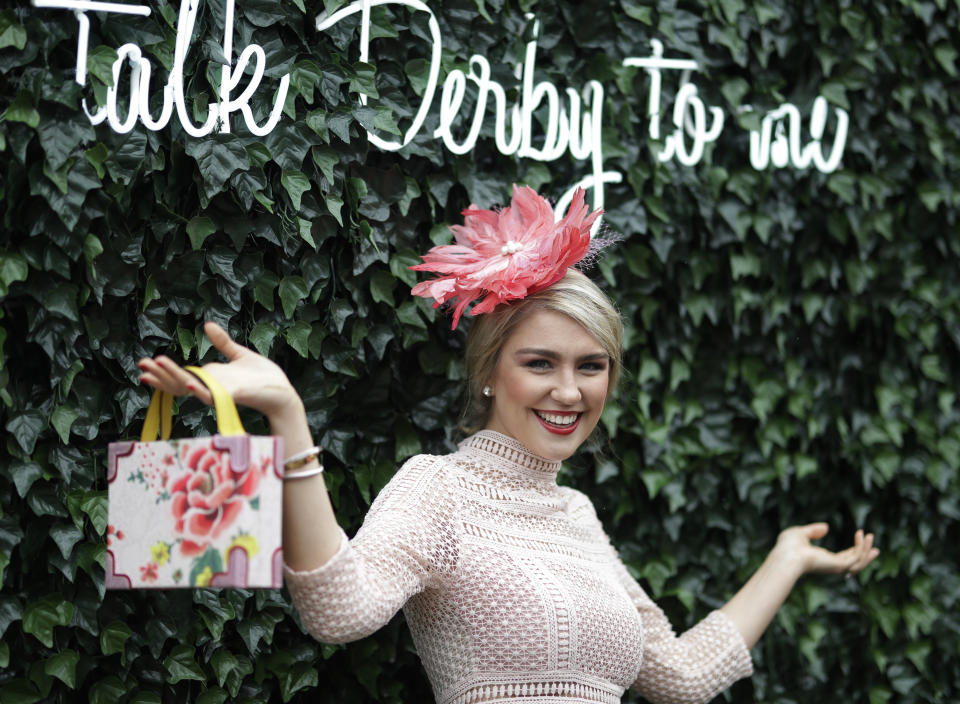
column 795, row 544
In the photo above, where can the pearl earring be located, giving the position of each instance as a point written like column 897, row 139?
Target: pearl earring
column 487, row 391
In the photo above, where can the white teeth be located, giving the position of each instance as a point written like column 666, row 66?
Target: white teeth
column 558, row 419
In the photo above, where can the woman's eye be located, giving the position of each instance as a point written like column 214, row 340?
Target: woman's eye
column 538, row 364
column 593, row 366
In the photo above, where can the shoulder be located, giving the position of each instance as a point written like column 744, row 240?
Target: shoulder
column 421, row 478
column 579, row 507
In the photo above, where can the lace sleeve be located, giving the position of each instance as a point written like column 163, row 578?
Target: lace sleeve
column 407, row 543
column 693, row 667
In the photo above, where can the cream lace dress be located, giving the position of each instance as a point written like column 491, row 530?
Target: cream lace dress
column 511, row 589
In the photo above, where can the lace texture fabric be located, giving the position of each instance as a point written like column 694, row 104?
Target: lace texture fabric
column 511, row 589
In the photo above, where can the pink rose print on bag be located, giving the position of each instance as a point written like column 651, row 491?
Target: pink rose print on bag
column 209, row 495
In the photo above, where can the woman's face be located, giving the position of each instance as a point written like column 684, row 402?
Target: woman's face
column 549, row 385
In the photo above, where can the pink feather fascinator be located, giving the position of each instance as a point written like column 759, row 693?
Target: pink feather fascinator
column 504, row 255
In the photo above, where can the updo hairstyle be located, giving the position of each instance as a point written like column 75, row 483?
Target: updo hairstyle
column 574, row 295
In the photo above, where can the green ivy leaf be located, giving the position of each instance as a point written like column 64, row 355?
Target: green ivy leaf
column 113, row 637
column 97, row 155
column 40, row 617
column 334, row 204
column 65, row 535
column 109, row 690
column 66, row 383
column 182, row 664
column 406, row 441
column 230, row 670
column 296, row 184
column 381, row 287
column 10, row 612
column 362, row 79
column 95, row 507
column 946, row 55
column 199, row 228
column 805, row 465
column 306, row 227
column 19, row 691
column 63, row 666
column 22, row 110
column 417, row 72
column 409, row 314
column 326, row 159
column 58, row 176
column 256, row 628
column 100, row 62
column 263, row 290
column 12, row 33
column 218, row 158
column 298, row 337
column 293, row 289
column 214, row 695
column 62, row 420
column 637, row 11
column 13, row 268
column 26, row 428
column 262, row 336
column 301, row 676
column 679, row 373
column 340, row 312
column 304, row 76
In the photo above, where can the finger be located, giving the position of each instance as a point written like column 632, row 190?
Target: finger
column 200, row 391
column 150, row 380
column 221, row 339
column 177, row 377
column 867, row 555
column 815, row 531
column 155, row 375
column 857, row 554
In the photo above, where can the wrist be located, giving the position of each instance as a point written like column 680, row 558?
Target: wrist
column 785, row 561
column 289, row 411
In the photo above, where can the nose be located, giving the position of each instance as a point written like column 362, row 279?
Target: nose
column 566, row 391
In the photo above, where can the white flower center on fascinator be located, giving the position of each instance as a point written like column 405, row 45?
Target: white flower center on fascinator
column 511, row 247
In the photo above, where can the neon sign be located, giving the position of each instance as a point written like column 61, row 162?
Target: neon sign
column 218, row 115
column 573, row 118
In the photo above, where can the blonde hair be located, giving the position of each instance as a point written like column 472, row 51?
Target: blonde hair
column 575, row 296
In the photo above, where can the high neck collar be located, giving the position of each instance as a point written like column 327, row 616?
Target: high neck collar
column 508, row 450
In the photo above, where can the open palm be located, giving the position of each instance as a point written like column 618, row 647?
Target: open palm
column 797, row 542
column 250, row 378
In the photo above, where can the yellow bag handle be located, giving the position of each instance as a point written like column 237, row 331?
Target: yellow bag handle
column 159, row 417
column 160, row 412
column 228, row 420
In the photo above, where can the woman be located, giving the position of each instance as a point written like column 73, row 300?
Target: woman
column 508, row 582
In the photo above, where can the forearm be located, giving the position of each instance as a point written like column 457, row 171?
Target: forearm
column 753, row 607
column 311, row 534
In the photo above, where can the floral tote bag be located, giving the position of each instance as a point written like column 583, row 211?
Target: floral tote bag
column 196, row 512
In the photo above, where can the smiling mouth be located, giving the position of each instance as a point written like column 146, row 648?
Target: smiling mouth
column 559, row 423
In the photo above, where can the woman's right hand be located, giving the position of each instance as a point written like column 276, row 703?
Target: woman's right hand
column 250, row 378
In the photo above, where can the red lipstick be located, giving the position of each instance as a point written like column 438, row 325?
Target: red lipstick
column 559, row 429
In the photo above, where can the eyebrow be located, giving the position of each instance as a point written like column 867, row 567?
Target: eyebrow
column 552, row 354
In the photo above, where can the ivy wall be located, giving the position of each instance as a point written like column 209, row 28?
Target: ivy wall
column 792, row 348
